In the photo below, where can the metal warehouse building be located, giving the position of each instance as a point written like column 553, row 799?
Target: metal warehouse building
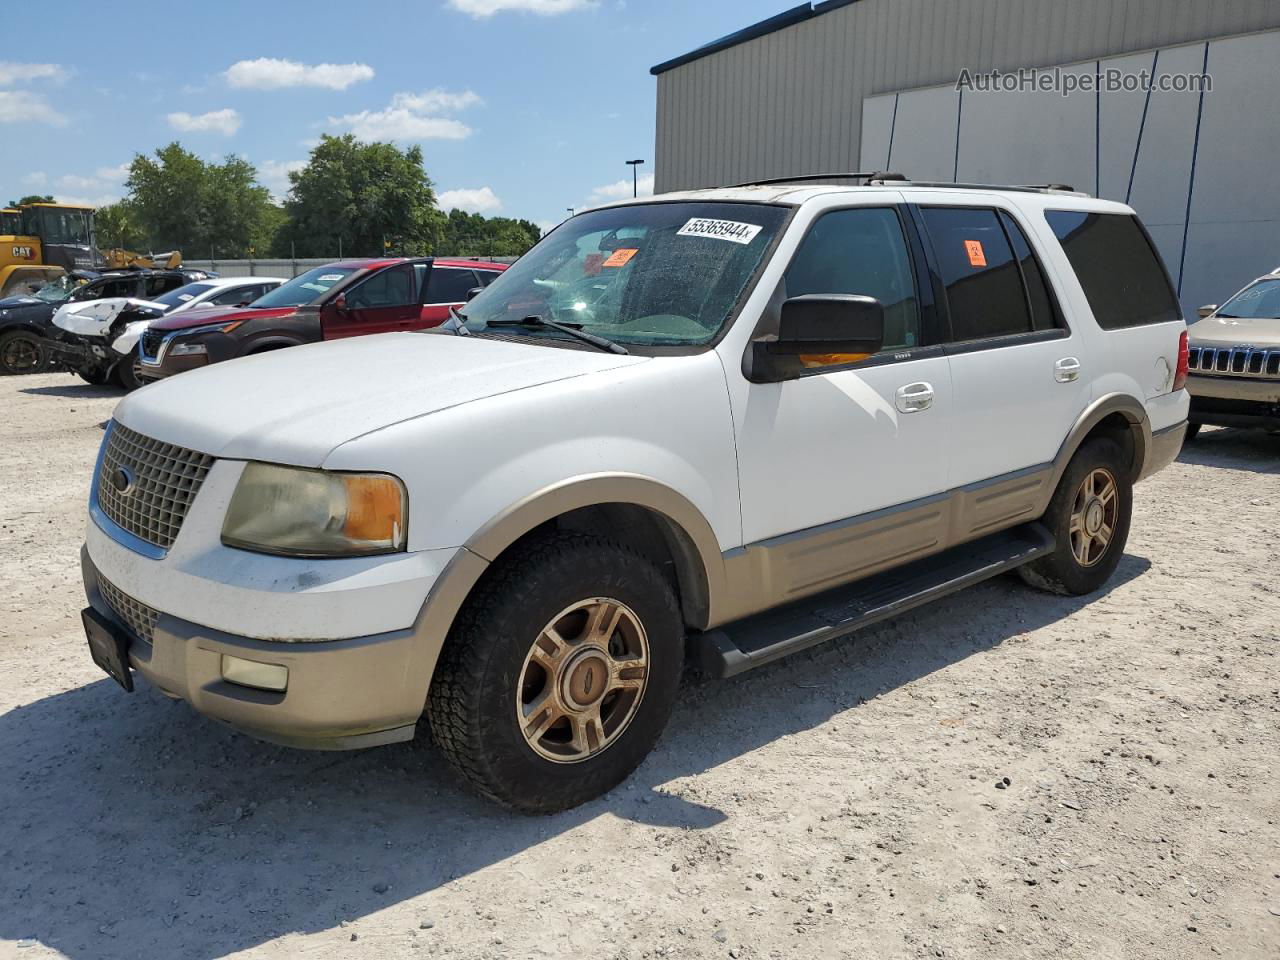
column 877, row 85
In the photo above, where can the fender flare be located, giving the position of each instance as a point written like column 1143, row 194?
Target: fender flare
column 1124, row 404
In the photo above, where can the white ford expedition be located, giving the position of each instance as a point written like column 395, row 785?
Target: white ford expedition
column 724, row 425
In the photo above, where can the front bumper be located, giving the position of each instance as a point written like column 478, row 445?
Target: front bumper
column 78, row 353
column 1235, row 401
column 341, row 694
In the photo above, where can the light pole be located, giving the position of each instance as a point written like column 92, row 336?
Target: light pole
column 570, row 209
column 635, row 183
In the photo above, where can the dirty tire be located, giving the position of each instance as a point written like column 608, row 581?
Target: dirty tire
column 1061, row 571
column 126, row 374
column 21, row 352
column 1192, row 430
column 472, row 703
column 94, row 376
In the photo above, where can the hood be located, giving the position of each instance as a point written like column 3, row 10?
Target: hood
column 200, row 316
column 296, row 405
column 94, row 318
column 1235, row 332
column 25, row 308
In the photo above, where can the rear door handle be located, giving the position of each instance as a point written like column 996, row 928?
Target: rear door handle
column 914, row 397
column 1066, row 370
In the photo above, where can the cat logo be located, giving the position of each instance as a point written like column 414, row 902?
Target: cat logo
column 23, row 253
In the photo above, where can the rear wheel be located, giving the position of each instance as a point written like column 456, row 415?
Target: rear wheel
column 559, row 674
column 126, row 374
column 21, row 352
column 1089, row 517
column 1192, row 430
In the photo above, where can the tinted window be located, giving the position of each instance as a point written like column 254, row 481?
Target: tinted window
column 236, row 295
column 488, row 276
column 182, row 295
column 1044, row 309
column 984, row 284
column 392, row 287
column 155, row 286
column 110, row 288
column 1120, row 271
column 449, row 285
column 861, row 251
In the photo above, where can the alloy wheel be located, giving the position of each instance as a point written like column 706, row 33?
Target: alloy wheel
column 1093, row 516
column 21, row 355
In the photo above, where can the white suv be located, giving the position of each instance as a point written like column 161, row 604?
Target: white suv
column 725, row 423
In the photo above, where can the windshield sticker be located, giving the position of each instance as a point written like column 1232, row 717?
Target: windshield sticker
column 329, row 277
column 185, row 296
column 977, row 258
column 719, row 229
column 620, row 257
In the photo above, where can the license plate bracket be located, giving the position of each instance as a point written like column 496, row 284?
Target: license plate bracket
column 109, row 646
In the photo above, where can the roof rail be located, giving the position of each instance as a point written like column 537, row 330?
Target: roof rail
column 881, row 177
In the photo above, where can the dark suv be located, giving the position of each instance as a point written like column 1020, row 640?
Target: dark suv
column 344, row 299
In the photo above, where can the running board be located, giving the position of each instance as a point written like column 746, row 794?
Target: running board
column 754, row 641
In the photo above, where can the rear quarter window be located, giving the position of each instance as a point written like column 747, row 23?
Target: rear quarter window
column 1123, row 277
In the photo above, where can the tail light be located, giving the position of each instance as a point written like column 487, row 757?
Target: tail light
column 1184, row 362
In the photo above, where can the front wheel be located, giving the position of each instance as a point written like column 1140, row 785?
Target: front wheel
column 560, row 673
column 126, row 374
column 1089, row 517
column 21, row 352
column 1192, row 430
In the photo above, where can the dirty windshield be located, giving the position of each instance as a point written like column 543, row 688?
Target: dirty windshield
column 1257, row 302
column 659, row 274
column 304, row 288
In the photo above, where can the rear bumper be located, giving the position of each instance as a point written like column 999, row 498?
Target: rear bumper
column 1165, row 446
column 341, row 694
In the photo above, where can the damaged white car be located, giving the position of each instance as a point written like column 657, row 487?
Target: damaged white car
column 98, row 339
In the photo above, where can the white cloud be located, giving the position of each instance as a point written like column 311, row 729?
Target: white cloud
column 620, row 190
column 477, row 200
column 14, row 73
column 413, row 116
column 19, row 106
column 225, row 122
column 103, row 178
column 267, row 73
column 97, row 200
column 274, row 175
column 116, row 174
column 37, row 178
column 481, row 9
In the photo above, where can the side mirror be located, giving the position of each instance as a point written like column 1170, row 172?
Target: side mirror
column 1207, row 309
column 818, row 330
column 340, row 303
column 471, row 294
column 244, row 303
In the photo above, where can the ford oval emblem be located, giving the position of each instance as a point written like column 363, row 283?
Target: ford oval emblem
column 122, row 481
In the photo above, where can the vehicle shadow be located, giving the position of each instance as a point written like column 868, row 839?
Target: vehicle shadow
column 136, row 828
column 1254, row 450
column 77, row 390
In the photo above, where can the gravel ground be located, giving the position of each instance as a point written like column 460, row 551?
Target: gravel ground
column 850, row 802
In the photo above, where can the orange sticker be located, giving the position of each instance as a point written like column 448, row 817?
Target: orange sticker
column 620, row 257
column 976, row 257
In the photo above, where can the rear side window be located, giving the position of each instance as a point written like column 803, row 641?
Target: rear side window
column 488, row 276
column 449, row 285
column 861, row 251
column 1120, row 271
column 982, row 276
column 1044, row 308
column 162, row 284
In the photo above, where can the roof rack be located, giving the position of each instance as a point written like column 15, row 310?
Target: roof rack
column 881, row 177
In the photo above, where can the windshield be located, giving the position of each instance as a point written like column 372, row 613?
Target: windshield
column 304, row 288
column 63, row 225
column 658, row 274
column 1259, row 301
column 175, row 298
column 55, row 291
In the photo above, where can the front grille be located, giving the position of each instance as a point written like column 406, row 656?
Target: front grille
column 146, row 486
column 151, row 340
column 135, row 614
column 1241, row 361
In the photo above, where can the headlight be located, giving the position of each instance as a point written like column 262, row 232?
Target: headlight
column 296, row 512
column 187, row 349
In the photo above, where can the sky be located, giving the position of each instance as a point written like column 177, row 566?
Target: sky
column 523, row 108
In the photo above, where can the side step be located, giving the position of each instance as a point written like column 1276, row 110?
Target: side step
column 752, row 642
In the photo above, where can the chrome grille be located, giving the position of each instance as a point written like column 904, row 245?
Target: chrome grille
column 136, row 615
column 1242, row 361
column 162, row 481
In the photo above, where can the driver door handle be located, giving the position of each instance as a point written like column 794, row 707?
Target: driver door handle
column 914, row 397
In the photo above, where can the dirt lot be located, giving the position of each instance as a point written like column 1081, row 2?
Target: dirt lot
column 841, row 804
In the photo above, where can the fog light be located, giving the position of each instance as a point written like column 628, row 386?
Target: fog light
column 250, row 673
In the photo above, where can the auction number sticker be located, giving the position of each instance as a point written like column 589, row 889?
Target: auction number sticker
column 977, row 257
column 719, row 229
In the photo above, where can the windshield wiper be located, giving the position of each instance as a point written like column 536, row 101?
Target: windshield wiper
column 457, row 322
column 575, row 332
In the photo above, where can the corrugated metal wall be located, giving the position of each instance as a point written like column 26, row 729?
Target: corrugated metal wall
column 791, row 101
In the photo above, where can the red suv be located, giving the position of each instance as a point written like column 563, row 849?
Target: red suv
column 344, row 299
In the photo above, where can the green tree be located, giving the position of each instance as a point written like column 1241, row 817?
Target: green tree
column 116, row 225
column 180, row 201
column 472, row 235
column 32, row 198
column 355, row 196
